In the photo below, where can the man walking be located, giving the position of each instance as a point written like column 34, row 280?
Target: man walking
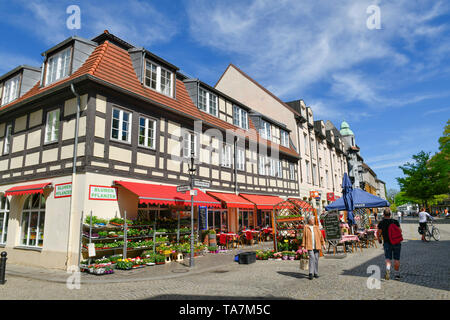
column 423, row 218
column 392, row 247
column 399, row 215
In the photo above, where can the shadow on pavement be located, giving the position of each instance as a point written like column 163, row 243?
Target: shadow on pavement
column 208, row 297
column 296, row 275
column 423, row 264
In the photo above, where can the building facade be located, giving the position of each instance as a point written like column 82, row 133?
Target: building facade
column 104, row 124
column 322, row 161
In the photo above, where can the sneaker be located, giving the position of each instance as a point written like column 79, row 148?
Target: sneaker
column 316, row 276
column 310, row 276
column 387, row 275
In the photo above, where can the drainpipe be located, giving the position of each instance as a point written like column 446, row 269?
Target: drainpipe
column 236, row 139
column 74, row 172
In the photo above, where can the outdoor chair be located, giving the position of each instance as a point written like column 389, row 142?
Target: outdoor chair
column 370, row 239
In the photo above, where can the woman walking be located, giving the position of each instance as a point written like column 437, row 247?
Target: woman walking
column 313, row 241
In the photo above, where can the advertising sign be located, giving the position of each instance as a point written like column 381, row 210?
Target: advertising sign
column 63, row 190
column 102, row 193
column 203, row 218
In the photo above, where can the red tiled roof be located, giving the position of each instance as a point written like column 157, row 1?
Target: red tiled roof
column 113, row 65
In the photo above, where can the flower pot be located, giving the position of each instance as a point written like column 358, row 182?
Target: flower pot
column 291, row 257
column 285, row 257
column 160, row 262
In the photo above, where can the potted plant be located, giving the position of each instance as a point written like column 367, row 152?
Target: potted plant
column 160, row 259
column 304, row 259
column 291, row 255
column 149, row 261
column 285, row 255
column 212, row 249
column 124, row 264
column 277, row 255
column 212, row 239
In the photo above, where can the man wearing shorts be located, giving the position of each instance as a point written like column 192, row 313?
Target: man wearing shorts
column 390, row 250
column 423, row 218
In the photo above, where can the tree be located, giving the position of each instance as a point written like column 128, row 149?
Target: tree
column 390, row 195
column 401, row 199
column 440, row 162
column 422, row 181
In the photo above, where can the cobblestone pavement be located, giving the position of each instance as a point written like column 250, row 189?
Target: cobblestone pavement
column 424, row 267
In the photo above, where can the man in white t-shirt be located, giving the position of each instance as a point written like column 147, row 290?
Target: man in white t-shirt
column 423, row 218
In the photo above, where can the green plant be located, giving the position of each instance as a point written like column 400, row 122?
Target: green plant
column 103, row 233
column 212, row 248
column 160, row 258
column 212, row 231
column 95, row 220
column 149, row 260
column 124, row 264
column 103, row 260
column 114, row 258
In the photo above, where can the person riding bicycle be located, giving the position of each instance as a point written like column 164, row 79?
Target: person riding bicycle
column 423, row 218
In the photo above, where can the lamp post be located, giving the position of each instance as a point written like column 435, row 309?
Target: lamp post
column 191, row 167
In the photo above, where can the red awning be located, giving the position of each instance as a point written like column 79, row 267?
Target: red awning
column 232, row 200
column 29, row 189
column 262, row 202
column 168, row 195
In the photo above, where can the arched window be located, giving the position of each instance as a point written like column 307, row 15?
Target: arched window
column 4, row 214
column 33, row 218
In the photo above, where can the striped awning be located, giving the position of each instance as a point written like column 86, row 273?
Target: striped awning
column 167, row 195
column 27, row 189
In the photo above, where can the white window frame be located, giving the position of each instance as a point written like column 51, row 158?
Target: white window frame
column 279, row 169
column 284, row 137
column 240, row 117
column 188, row 144
column 265, row 130
column 159, row 77
column 305, row 139
column 4, row 210
column 240, row 159
column 52, row 128
column 227, row 159
column 10, row 90
column 120, row 128
column 308, row 175
column 62, row 67
column 148, row 122
column 314, row 169
column 291, row 171
column 206, row 101
column 261, row 165
column 7, row 141
column 30, row 211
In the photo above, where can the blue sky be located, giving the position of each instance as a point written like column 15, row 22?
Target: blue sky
column 391, row 84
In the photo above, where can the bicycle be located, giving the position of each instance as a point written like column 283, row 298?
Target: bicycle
column 432, row 232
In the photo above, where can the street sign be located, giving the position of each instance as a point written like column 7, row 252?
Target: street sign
column 183, row 188
column 193, row 192
column 202, row 184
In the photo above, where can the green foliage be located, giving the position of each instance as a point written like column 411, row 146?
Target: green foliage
column 422, row 181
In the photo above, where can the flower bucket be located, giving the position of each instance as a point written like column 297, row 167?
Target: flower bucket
column 304, row 264
column 291, row 257
column 285, row 257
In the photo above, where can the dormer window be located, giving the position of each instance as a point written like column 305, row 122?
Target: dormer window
column 158, row 78
column 11, row 90
column 240, row 117
column 58, row 66
column 207, row 101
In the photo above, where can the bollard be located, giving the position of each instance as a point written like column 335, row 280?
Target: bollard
column 3, row 267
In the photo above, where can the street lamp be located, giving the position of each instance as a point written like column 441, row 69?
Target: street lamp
column 192, row 169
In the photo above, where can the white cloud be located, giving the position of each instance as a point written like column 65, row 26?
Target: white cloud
column 289, row 45
column 9, row 61
column 136, row 21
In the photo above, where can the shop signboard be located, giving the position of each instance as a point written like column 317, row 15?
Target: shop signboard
column 203, row 218
column 332, row 225
column 91, row 249
column 63, row 190
column 102, row 193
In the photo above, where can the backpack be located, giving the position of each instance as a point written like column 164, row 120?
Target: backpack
column 395, row 234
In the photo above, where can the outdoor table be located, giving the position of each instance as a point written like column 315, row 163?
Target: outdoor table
column 228, row 236
column 353, row 239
